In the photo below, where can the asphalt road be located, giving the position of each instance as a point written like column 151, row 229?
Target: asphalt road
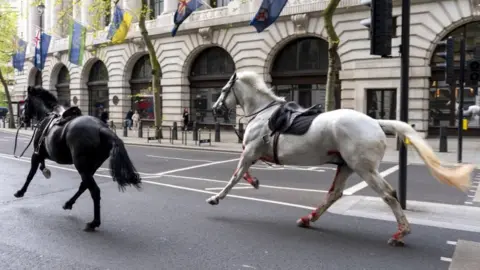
column 168, row 224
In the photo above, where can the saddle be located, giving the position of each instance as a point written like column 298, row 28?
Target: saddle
column 291, row 118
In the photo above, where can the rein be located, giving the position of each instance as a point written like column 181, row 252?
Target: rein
column 16, row 139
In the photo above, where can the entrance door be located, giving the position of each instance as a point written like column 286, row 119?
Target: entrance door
column 382, row 103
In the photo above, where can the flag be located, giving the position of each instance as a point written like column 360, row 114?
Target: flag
column 120, row 25
column 267, row 14
column 184, row 9
column 77, row 43
column 19, row 56
column 41, row 56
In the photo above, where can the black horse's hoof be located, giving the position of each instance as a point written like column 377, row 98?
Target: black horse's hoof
column 47, row 173
column 19, row 194
column 256, row 183
column 396, row 243
column 90, row 227
column 67, row 206
column 213, row 201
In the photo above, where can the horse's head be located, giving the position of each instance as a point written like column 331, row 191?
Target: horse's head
column 228, row 98
column 38, row 103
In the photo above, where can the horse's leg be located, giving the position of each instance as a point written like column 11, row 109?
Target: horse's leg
column 35, row 162
column 95, row 193
column 252, row 180
column 335, row 193
column 69, row 204
column 385, row 191
column 243, row 164
column 46, row 172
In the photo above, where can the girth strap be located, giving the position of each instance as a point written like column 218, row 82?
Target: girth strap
column 275, row 148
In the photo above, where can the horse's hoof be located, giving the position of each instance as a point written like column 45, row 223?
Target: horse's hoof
column 256, row 183
column 19, row 194
column 213, row 200
column 90, row 227
column 303, row 223
column 396, row 243
column 67, row 206
column 47, row 173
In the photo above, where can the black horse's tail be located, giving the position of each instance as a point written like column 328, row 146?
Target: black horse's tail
column 121, row 167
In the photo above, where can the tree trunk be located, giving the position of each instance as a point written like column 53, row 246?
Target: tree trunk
column 333, row 42
column 11, row 123
column 157, row 101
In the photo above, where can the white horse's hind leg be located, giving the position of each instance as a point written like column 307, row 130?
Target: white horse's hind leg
column 335, row 193
column 379, row 185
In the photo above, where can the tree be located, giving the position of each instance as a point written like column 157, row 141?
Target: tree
column 8, row 31
column 333, row 42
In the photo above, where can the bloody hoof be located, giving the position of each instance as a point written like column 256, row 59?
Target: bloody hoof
column 90, row 227
column 303, row 222
column 19, row 194
column 256, row 183
column 396, row 242
column 213, row 200
column 67, row 206
column 47, row 173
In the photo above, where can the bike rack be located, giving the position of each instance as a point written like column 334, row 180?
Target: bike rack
column 200, row 140
column 151, row 138
column 185, row 136
column 170, row 131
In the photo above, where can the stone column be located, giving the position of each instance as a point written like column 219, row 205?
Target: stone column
column 77, row 12
column 85, row 13
column 34, row 23
column 176, row 97
column 56, row 8
column 170, row 6
column 47, row 25
column 117, row 112
column 79, row 94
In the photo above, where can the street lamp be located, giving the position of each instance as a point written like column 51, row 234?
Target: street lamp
column 41, row 9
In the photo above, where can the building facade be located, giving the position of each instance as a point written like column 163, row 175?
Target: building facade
column 291, row 55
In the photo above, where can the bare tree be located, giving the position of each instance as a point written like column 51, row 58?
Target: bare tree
column 333, row 42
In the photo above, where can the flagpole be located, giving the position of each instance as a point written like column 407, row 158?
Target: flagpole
column 206, row 4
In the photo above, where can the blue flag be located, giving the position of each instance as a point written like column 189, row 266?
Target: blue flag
column 19, row 56
column 40, row 57
column 76, row 46
column 184, row 9
column 267, row 14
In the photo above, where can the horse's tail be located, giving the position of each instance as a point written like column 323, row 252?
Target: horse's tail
column 121, row 167
column 459, row 177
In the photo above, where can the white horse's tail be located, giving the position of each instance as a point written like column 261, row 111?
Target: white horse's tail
column 459, row 177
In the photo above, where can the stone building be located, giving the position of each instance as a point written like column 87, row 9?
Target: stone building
column 291, row 55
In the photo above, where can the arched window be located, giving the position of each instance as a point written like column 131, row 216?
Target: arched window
column 63, row 86
column 141, row 86
column 299, row 72
column 441, row 114
column 38, row 78
column 98, row 99
column 210, row 71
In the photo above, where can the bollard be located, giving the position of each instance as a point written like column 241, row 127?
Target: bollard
column 195, row 131
column 217, row 132
column 125, row 129
column 140, row 129
column 175, row 131
column 443, row 139
column 240, row 132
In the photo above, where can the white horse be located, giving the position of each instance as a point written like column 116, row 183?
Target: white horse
column 472, row 111
column 350, row 139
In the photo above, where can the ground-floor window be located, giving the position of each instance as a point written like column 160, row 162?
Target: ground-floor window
column 142, row 101
column 98, row 100
column 305, row 95
column 382, row 103
column 202, row 100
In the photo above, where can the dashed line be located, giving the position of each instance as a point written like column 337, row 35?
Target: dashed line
column 445, row 259
column 469, row 203
column 453, row 243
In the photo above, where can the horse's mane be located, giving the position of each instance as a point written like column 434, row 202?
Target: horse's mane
column 48, row 98
column 256, row 82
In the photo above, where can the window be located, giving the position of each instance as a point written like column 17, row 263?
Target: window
column 219, row 3
column 141, row 82
column 382, row 103
column 157, row 8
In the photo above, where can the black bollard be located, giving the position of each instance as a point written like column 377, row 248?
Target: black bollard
column 240, row 132
column 125, row 129
column 217, row 132
column 140, row 129
column 195, row 131
column 443, row 139
column 175, row 131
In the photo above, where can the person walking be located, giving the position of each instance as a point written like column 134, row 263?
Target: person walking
column 136, row 119
column 185, row 119
column 128, row 119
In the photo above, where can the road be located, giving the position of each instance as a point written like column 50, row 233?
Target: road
column 168, row 224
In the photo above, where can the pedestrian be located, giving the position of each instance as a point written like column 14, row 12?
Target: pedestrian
column 104, row 116
column 136, row 119
column 128, row 119
column 185, row 119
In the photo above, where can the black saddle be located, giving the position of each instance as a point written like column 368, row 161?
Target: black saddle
column 291, row 118
column 67, row 115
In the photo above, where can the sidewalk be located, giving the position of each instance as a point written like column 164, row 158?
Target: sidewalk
column 229, row 143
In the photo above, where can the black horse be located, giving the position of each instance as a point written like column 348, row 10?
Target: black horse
column 65, row 136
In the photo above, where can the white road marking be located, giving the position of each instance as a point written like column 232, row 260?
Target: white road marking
column 232, row 196
column 220, row 188
column 198, row 166
column 262, row 186
column 453, row 243
column 468, row 203
column 353, row 189
column 445, row 259
column 471, row 196
column 3, row 140
column 185, row 159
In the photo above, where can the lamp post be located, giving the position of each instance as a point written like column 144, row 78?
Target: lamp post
column 41, row 9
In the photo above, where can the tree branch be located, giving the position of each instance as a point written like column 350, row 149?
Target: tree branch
column 333, row 42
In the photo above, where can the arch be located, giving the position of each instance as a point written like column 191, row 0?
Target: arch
column 98, row 99
column 299, row 71
column 440, row 94
column 209, row 72
column 141, row 90
column 63, row 86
